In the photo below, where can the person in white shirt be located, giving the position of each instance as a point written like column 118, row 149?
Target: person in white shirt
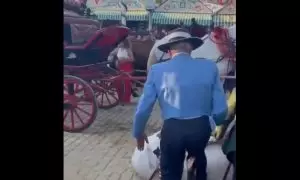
column 124, row 63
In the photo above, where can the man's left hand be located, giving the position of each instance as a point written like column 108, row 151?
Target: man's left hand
column 141, row 142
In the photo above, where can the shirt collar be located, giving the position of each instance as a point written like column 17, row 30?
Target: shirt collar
column 180, row 53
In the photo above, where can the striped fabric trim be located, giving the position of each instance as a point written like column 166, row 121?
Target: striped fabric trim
column 116, row 15
column 225, row 20
column 176, row 18
column 108, row 15
column 137, row 15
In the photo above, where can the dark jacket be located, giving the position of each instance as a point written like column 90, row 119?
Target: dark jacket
column 197, row 30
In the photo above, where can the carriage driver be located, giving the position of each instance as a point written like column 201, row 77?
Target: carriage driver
column 189, row 92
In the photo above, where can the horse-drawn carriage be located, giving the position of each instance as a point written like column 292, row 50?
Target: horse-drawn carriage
column 88, row 82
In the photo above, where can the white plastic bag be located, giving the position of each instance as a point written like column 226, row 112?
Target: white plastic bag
column 144, row 162
column 154, row 141
column 185, row 169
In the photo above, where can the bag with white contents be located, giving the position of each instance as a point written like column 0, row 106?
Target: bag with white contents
column 154, row 141
column 144, row 162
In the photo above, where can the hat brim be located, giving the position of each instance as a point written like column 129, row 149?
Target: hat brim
column 194, row 41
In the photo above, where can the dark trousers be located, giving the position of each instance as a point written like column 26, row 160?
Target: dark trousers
column 232, row 159
column 179, row 136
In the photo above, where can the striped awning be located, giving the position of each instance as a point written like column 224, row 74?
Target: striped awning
column 224, row 20
column 176, row 18
column 116, row 15
column 137, row 15
column 108, row 15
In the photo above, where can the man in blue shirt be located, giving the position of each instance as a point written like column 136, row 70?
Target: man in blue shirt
column 189, row 92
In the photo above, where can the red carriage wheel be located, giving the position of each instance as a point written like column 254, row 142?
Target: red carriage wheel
column 107, row 92
column 80, row 107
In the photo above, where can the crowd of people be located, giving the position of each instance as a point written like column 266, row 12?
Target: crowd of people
column 160, row 31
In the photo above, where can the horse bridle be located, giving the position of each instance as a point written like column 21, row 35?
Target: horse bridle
column 229, row 42
column 231, row 50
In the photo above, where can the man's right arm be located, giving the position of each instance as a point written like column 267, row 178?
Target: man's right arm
column 219, row 102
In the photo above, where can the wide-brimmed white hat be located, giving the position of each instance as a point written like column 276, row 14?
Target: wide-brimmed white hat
column 177, row 37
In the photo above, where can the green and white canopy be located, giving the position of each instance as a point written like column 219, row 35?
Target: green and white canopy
column 176, row 18
column 111, row 9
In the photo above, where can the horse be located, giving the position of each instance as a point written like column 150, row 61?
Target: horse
column 141, row 50
column 218, row 44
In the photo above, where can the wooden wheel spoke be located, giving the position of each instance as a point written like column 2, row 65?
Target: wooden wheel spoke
column 113, row 95
column 72, row 118
column 76, row 113
column 107, row 98
column 102, row 95
column 107, row 91
column 84, row 111
column 66, row 112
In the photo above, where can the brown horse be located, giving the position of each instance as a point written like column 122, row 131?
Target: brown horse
column 141, row 48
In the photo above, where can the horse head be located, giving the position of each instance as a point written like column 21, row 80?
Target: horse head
column 219, row 46
column 224, row 43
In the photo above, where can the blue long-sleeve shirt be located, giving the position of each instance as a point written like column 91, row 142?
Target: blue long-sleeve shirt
column 185, row 88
